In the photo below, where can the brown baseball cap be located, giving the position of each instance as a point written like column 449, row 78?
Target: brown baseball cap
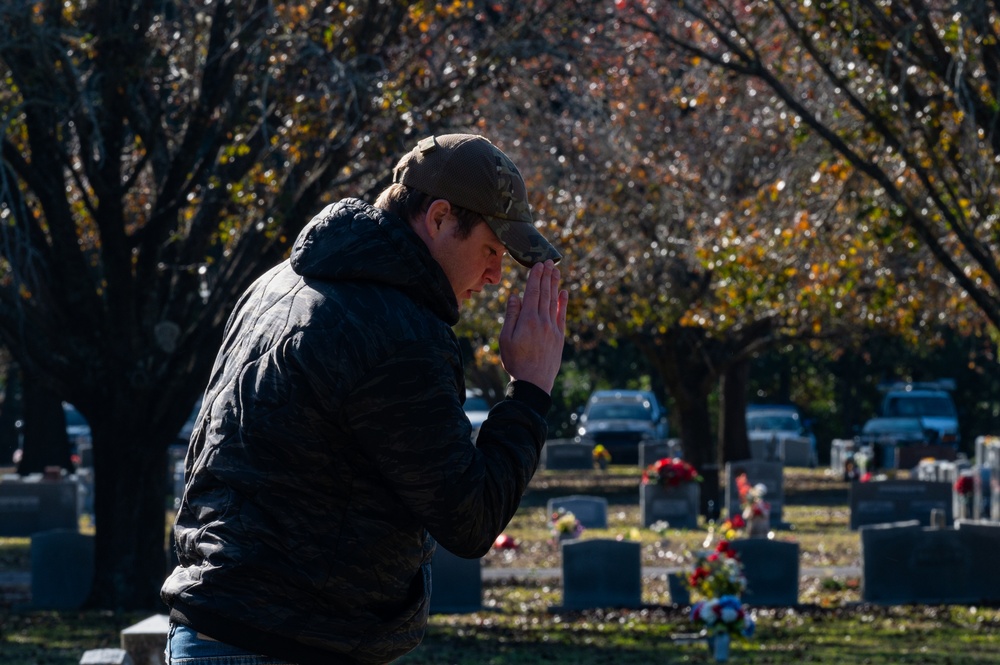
column 470, row 172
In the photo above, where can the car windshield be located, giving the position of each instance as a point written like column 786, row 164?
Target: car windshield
column 620, row 411
column 768, row 422
column 893, row 426
column 920, row 405
column 476, row 404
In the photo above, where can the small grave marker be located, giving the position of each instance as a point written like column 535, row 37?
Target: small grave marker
column 567, row 454
column 591, row 511
column 145, row 641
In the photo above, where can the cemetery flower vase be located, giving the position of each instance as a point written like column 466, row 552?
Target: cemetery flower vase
column 758, row 526
column 718, row 646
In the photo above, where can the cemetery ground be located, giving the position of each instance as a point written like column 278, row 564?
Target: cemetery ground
column 521, row 588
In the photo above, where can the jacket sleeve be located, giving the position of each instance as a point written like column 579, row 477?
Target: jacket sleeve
column 407, row 415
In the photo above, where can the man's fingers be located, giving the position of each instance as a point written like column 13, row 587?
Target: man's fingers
column 532, row 288
column 545, row 291
column 555, row 295
column 510, row 318
column 561, row 316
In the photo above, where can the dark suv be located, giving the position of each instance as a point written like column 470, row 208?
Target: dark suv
column 621, row 419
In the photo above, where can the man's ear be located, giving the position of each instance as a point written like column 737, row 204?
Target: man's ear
column 437, row 215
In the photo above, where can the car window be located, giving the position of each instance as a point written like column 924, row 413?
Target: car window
column 892, row 425
column 620, row 411
column 929, row 405
column 783, row 423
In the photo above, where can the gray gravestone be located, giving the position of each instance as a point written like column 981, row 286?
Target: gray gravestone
column 601, row 573
column 651, row 451
column 988, row 457
column 591, row 511
column 772, row 571
column 765, row 448
column 145, row 641
column 943, row 471
column 680, row 594
column 566, row 454
column 840, row 451
column 106, row 657
column 798, row 451
column 31, row 505
column 982, row 538
column 456, row 583
column 906, row 563
column 887, row 501
column 62, row 569
column 679, row 506
column 85, row 479
column 769, row 474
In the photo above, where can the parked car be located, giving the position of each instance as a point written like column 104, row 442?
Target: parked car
column 477, row 408
column 781, row 425
column 884, row 437
column 620, row 420
column 931, row 402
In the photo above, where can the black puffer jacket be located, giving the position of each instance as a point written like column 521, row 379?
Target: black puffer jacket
column 332, row 451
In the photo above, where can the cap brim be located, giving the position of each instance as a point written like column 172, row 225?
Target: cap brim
column 523, row 242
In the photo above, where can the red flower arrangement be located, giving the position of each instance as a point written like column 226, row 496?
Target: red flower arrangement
column 964, row 485
column 670, row 472
column 719, row 573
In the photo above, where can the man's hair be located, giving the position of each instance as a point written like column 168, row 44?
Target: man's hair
column 410, row 203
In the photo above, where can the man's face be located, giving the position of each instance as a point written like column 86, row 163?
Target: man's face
column 470, row 263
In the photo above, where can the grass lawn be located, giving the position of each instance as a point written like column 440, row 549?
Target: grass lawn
column 516, row 624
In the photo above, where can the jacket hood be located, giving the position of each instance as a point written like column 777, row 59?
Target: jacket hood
column 353, row 241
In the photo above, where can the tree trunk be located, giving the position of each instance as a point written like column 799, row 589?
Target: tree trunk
column 10, row 413
column 696, row 432
column 130, row 506
column 685, row 366
column 45, row 440
column 733, row 442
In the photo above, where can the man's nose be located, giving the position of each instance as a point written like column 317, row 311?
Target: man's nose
column 492, row 274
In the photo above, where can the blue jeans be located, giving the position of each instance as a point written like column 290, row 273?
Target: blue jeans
column 186, row 647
